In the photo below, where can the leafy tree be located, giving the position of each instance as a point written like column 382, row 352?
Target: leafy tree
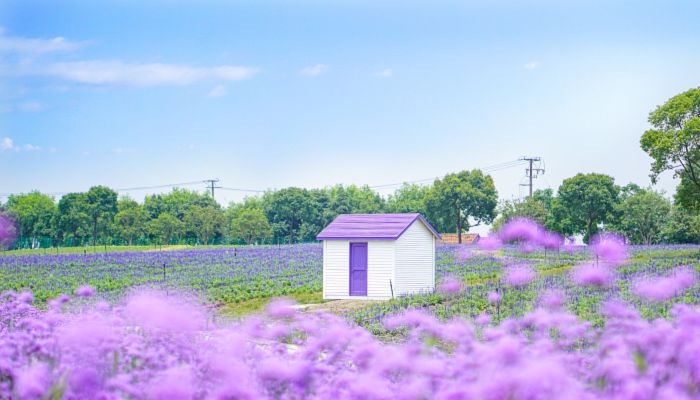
column 176, row 203
column 642, row 217
column 101, row 206
column 683, row 227
column 530, row 208
column 462, row 200
column 674, row 141
column 34, row 213
column 409, row 198
column 687, row 195
column 131, row 221
column 166, row 228
column 584, row 202
column 286, row 210
column 250, row 225
column 204, row 222
column 73, row 218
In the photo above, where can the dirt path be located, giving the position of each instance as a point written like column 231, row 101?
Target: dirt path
column 337, row 306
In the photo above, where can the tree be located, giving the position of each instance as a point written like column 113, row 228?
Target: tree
column 204, row 222
column 286, row 210
column 176, row 203
column 409, row 198
column 462, row 200
column 674, row 141
column 682, row 227
column 642, row 217
column 101, row 206
column 131, row 221
column 34, row 213
column 166, row 228
column 250, row 225
column 530, row 208
column 584, row 202
column 73, row 218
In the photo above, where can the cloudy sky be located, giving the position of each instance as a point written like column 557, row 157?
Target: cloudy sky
column 273, row 94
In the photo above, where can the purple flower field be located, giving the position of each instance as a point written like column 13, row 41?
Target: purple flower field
column 522, row 321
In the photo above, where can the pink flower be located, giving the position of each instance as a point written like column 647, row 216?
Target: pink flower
column 281, row 308
column 464, row 253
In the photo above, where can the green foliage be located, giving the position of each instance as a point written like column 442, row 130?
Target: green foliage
column 101, row 206
column 131, row 222
column 584, row 202
column 73, row 220
column 674, row 141
column 531, row 208
column 409, row 198
column 204, row 222
column 250, row 225
column 683, row 227
column 642, row 216
column 165, row 228
column 34, row 212
column 462, row 200
column 176, row 203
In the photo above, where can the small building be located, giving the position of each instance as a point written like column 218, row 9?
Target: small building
column 467, row 238
column 378, row 256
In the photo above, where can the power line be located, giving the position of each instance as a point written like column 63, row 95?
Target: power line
column 211, row 185
column 531, row 172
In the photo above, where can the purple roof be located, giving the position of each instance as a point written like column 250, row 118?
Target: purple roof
column 371, row 226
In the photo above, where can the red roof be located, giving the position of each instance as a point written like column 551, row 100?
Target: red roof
column 371, row 226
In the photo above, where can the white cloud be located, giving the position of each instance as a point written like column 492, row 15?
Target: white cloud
column 30, row 106
column 6, row 144
column 532, row 65
column 100, row 72
column 218, row 91
column 385, row 73
column 31, row 147
column 314, row 70
column 35, row 46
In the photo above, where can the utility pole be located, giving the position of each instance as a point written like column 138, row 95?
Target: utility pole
column 211, row 185
column 531, row 172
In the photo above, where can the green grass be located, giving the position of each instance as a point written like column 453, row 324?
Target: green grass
column 89, row 250
column 256, row 305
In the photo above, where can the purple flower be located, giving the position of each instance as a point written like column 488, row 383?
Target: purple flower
column 85, row 291
column 490, row 243
column 519, row 275
column 521, row 229
column 450, row 286
column 609, row 248
column 665, row 288
column 493, row 297
column 592, row 275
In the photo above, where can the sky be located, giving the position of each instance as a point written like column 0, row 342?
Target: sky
column 265, row 95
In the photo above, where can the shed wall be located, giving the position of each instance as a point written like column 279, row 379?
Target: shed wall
column 336, row 269
column 415, row 260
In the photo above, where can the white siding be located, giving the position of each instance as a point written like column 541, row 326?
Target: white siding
column 415, row 260
column 336, row 269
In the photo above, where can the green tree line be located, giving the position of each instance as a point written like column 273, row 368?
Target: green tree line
column 584, row 204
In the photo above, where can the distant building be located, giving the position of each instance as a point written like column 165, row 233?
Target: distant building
column 378, row 256
column 467, row 238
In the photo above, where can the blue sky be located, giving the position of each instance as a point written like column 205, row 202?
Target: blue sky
column 273, row 94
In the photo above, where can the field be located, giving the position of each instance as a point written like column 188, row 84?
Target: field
column 522, row 315
column 152, row 324
column 242, row 279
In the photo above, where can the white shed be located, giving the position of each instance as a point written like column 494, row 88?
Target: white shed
column 378, row 256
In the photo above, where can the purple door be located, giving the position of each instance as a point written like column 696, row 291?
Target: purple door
column 358, row 269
